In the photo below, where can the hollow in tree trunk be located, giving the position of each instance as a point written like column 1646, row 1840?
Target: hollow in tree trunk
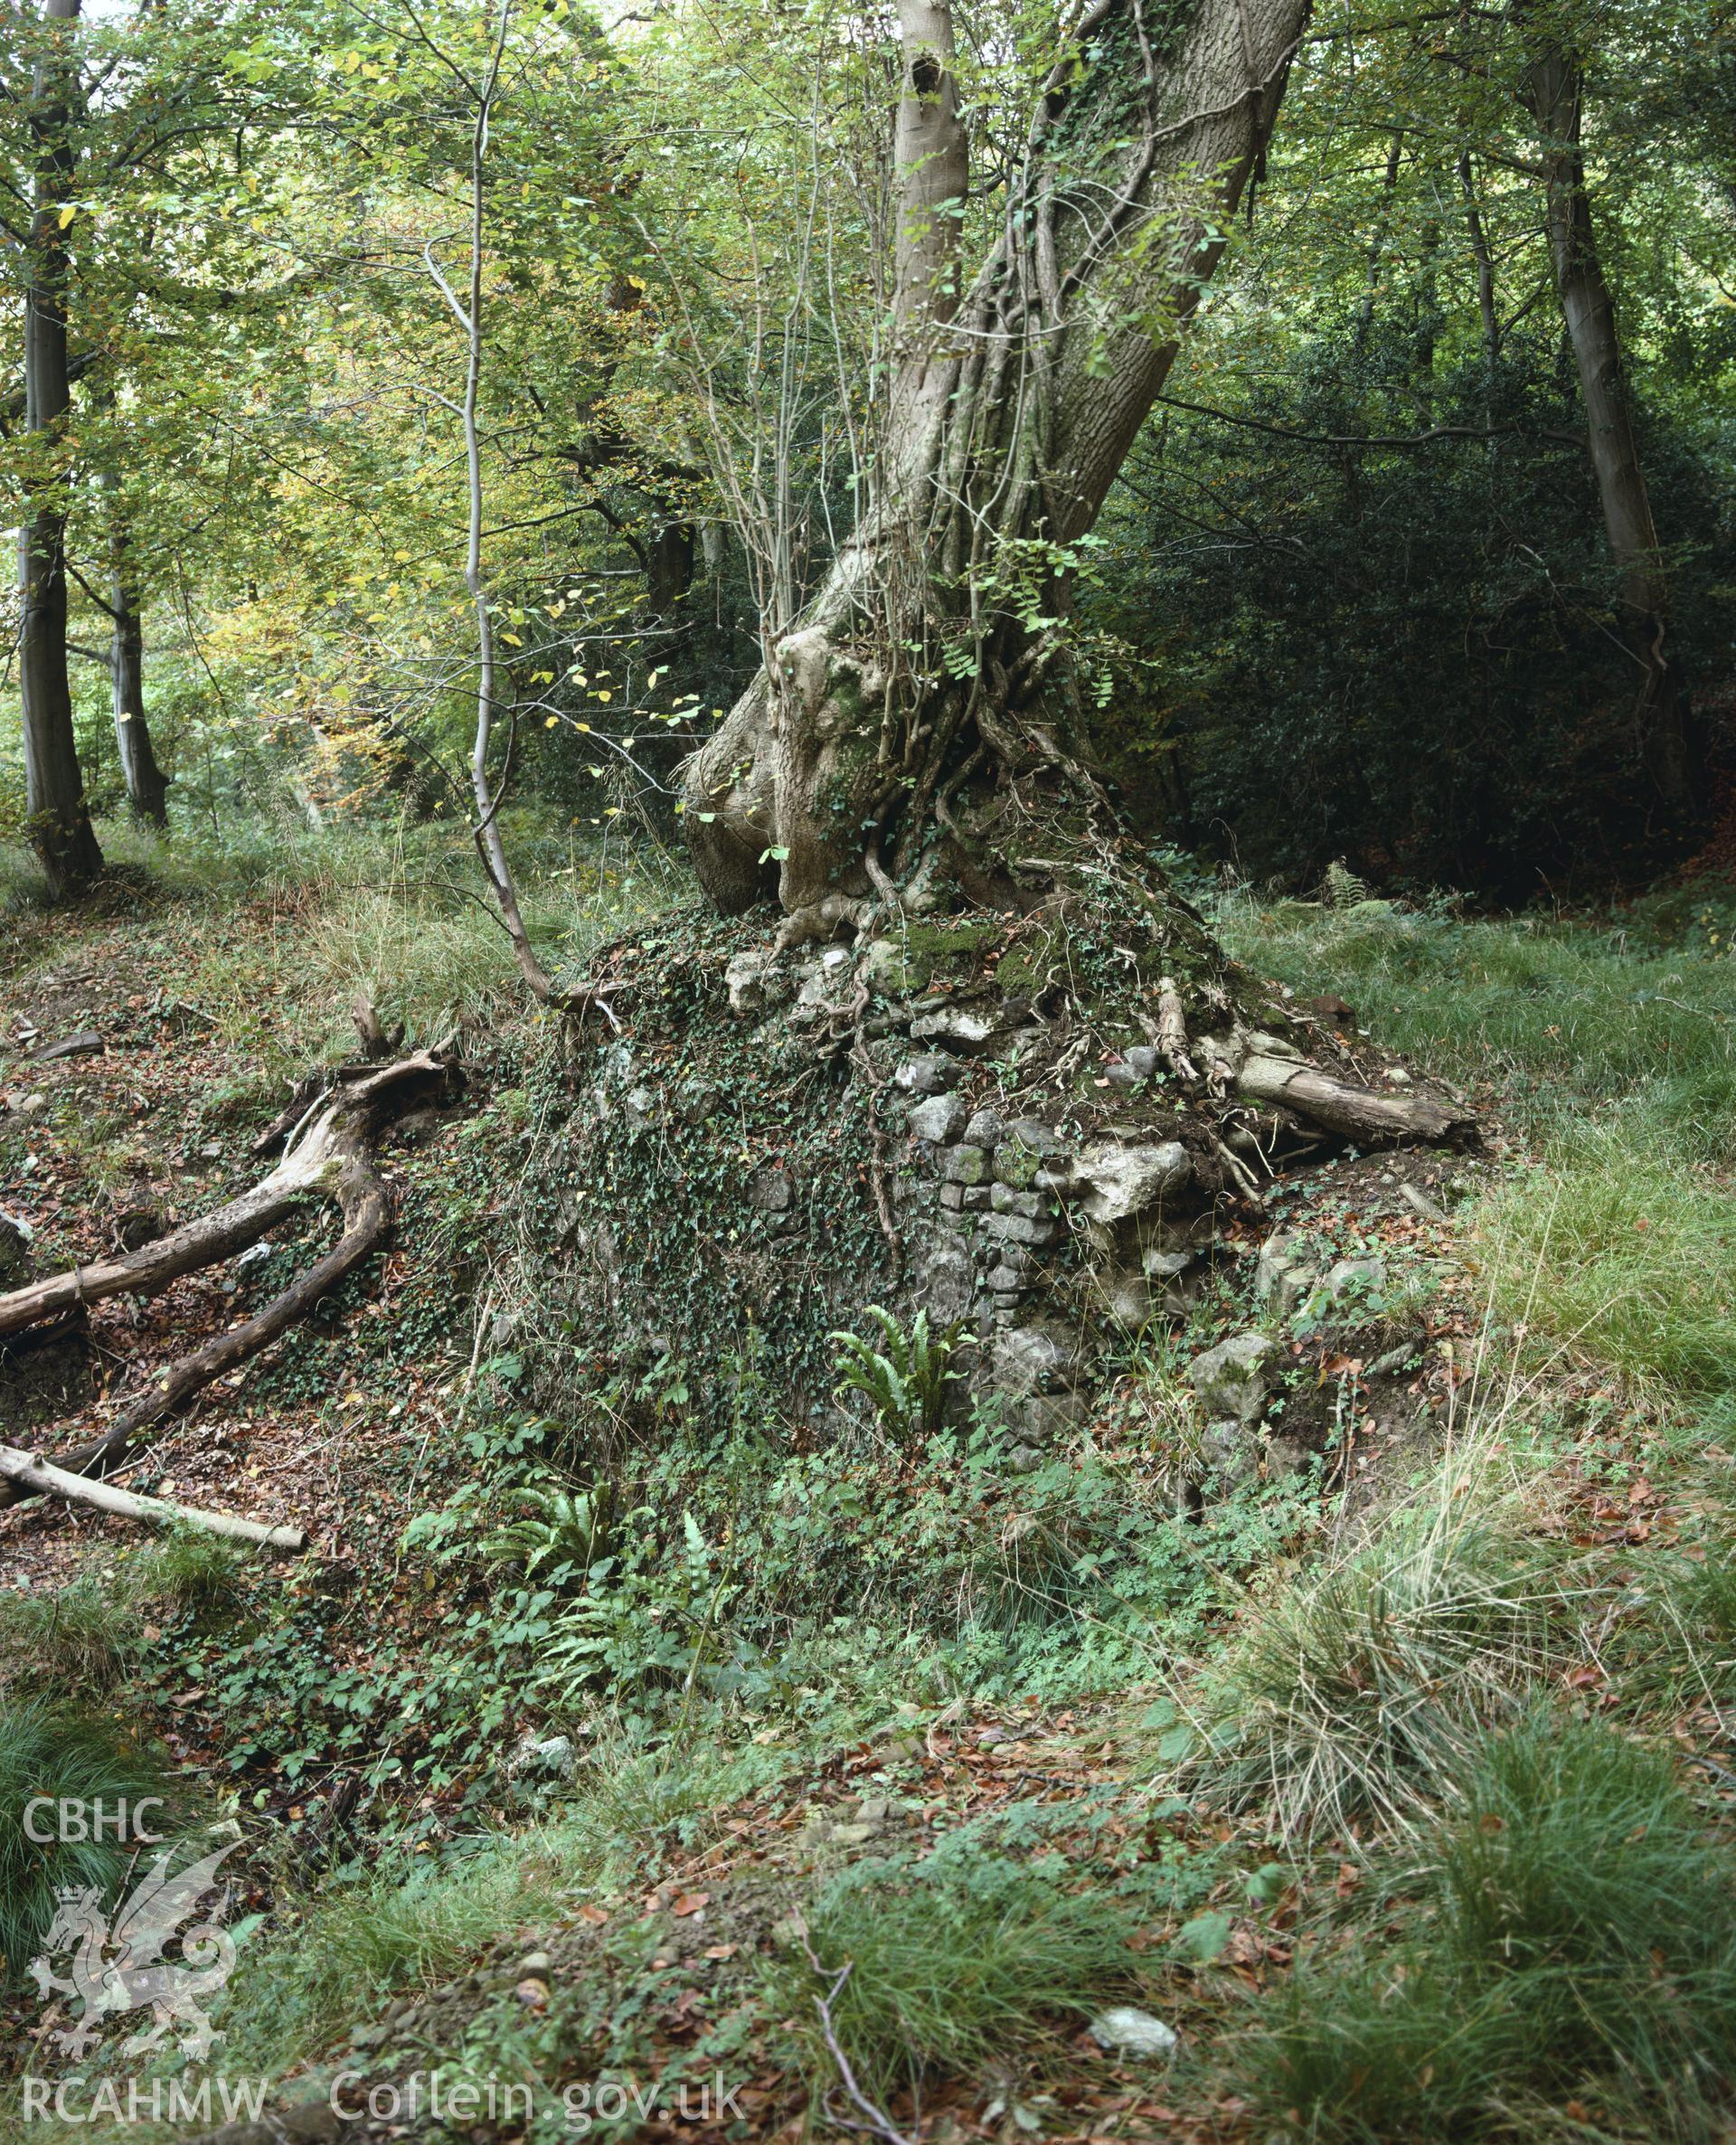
column 58, row 818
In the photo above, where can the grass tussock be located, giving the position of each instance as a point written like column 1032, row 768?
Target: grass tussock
column 400, row 1926
column 55, row 1751
column 1630, row 1259
column 1574, row 1963
column 959, row 1972
column 1353, row 1695
column 85, row 1636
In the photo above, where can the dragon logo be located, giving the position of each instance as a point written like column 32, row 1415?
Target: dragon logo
column 118, row 1964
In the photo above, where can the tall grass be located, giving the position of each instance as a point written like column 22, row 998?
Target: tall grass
column 401, row 1926
column 1565, row 1017
column 1618, row 1057
column 85, row 1635
column 953, row 1973
column 1628, row 1256
column 1575, row 1943
column 269, row 933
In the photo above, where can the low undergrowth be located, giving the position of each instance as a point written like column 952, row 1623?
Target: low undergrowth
column 87, row 1635
column 951, row 1970
column 1614, row 1051
column 396, row 1927
column 1433, row 1766
column 1628, row 1257
column 742, row 1575
column 1351, row 1697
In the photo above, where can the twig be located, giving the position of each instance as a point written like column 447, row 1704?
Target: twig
column 877, row 1165
column 878, row 2122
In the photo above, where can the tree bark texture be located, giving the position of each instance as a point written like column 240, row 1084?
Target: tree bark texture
column 929, row 678
column 54, row 802
column 1555, row 96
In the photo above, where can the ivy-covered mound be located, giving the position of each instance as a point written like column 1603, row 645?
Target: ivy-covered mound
column 1038, row 1129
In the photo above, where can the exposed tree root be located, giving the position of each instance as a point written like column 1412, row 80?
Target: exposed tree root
column 41, row 1478
column 332, row 1153
column 309, row 1167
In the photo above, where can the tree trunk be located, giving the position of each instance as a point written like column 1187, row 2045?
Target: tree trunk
column 922, row 723
column 1554, row 94
column 1377, row 246
column 59, row 818
column 1484, row 260
column 146, row 784
column 489, row 796
column 670, row 566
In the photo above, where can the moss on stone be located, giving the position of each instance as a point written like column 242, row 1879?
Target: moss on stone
column 918, row 953
column 1026, row 966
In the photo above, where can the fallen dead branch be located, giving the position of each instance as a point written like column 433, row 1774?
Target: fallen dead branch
column 41, row 1478
column 206, row 1242
column 1358, row 1113
column 877, row 2123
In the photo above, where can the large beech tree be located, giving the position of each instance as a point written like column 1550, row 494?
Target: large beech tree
column 921, row 726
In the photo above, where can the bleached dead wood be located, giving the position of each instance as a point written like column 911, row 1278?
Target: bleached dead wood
column 313, row 1164
column 1358, row 1113
column 41, row 1478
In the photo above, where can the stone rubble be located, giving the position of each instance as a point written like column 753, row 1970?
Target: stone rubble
column 1032, row 1240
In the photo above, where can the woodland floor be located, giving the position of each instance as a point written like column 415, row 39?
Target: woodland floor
column 1553, row 1323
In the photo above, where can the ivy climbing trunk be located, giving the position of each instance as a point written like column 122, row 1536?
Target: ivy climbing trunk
column 920, row 730
column 54, row 802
